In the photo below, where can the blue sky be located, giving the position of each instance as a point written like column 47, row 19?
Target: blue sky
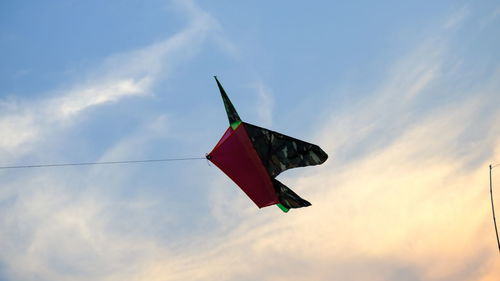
column 402, row 96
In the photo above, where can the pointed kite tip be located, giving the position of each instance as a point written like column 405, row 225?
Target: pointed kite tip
column 217, row 80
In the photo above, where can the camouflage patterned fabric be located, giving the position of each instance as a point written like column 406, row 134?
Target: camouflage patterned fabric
column 279, row 152
column 232, row 115
column 287, row 197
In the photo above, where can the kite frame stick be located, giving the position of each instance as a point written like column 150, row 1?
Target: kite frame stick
column 493, row 207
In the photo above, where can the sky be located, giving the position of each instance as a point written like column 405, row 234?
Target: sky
column 403, row 97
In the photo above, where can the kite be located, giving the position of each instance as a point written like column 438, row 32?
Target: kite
column 253, row 156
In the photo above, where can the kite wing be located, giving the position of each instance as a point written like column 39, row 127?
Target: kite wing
column 279, row 152
column 253, row 156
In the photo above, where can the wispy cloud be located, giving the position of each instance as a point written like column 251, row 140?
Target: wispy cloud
column 63, row 226
column 457, row 18
column 120, row 76
column 265, row 104
column 80, row 100
column 402, row 197
column 489, row 19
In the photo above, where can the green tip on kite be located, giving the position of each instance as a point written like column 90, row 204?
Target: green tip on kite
column 235, row 125
column 283, row 208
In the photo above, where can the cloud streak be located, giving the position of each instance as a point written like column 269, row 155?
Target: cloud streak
column 403, row 196
column 130, row 74
column 264, row 105
column 65, row 226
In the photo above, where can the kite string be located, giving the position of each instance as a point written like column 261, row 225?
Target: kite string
column 493, row 207
column 100, row 163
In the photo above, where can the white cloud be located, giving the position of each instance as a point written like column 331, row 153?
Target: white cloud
column 16, row 129
column 120, row 76
column 59, row 225
column 264, row 104
column 75, row 102
column 489, row 19
column 457, row 18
